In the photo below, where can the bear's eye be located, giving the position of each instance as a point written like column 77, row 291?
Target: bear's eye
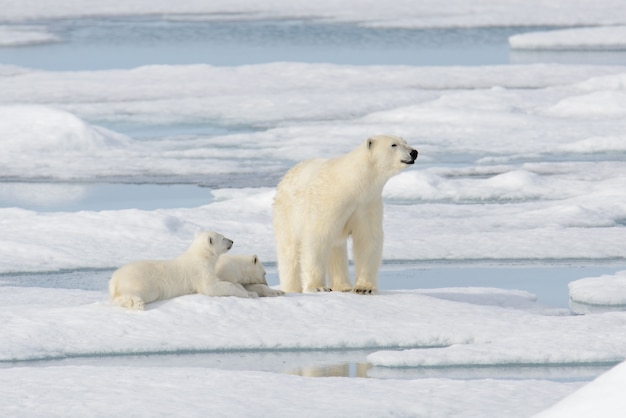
column 210, row 241
column 394, row 145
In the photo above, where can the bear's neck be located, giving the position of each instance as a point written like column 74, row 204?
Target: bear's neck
column 373, row 178
column 208, row 260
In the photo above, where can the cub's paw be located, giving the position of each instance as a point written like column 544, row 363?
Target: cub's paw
column 274, row 292
column 130, row 302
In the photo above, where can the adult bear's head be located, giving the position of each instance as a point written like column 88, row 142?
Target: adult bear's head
column 390, row 154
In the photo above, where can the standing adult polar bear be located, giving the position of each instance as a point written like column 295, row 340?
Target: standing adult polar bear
column 319, row 203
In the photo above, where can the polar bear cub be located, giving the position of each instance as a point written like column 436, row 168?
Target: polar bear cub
column 248, row 271
column 319, row 203
column 136, row 284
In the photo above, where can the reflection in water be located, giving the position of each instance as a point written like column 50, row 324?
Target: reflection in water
column 349, row 364
column 333, row 370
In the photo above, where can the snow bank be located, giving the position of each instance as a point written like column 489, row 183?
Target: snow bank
column 603, row 397
column 574, row 228
column 25, row 35
column 198, row 391
column 598, row 294
column 602, row 38
column 41, row 323
column 40, row 130
column 46, row 141
column 406, row 13
column 516, row 158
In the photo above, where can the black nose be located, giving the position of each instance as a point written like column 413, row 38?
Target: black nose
column 414, row 154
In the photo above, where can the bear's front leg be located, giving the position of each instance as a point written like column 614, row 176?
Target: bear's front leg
column 367, row 243
column 223, row 288
column 263, row 290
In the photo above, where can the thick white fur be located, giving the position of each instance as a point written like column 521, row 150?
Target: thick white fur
column 319, row 203
column 248, row 271
column 136, row 284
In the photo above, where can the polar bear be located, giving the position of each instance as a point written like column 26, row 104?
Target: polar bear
column 248, row 271
column 319, row 203
column 135, row 284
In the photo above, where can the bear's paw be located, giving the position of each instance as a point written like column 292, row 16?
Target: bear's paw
column 362, row 290
column 131, row 302
column 320, row 289
column 274, row 292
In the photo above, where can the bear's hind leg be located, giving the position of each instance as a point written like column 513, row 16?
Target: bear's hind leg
column 288, row 265
column 314, row 266
column 338, row 269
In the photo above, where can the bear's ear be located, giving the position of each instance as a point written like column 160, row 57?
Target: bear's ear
column 255, row 259
column 370, row 142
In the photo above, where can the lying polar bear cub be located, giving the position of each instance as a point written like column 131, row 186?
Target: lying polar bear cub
column 135, row 284
column 248, row 271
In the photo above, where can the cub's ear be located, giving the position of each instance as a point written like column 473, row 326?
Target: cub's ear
column 370, row 143
column 255, row 259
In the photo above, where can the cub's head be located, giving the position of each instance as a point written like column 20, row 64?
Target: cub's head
column 242, row 269
column 390, row 154
column 256, row 271
column 211, row 243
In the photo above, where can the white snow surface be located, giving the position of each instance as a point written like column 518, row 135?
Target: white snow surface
column 542, row 174
column 44, row 324
column 401, row 13
column 17, row 35
column 201, row 392
column 603, row 397
column 607, row 290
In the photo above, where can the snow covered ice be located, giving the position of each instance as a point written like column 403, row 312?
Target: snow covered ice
column 598, row 294
column 519, row 164
column 611, row 37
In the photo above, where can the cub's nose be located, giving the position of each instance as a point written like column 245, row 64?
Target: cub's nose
column 414, row 154
column 229, row 244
